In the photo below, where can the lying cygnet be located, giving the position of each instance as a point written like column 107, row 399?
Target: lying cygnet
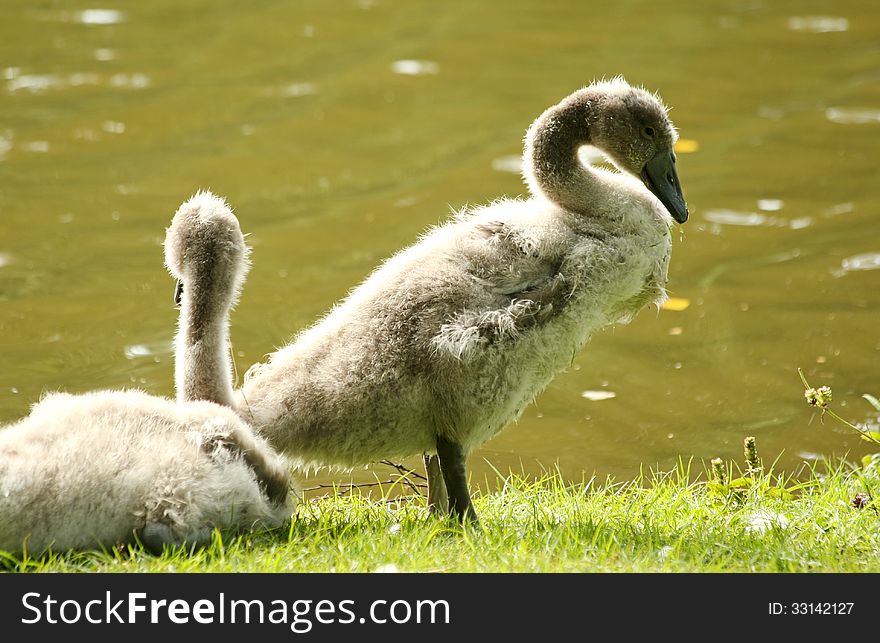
column 110, row 467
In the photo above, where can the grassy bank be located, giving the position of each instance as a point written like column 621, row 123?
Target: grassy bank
column 679, row 521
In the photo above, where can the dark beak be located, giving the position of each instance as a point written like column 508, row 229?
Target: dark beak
column 178, row 292
column 661, row 178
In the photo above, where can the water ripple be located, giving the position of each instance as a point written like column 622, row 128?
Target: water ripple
column 732, row 217
column 295, row 90
column 414, row 67
column 113, row 127
column 5, row 144
column 99, row 17
column 41, row 147
column 852, row 116
column 131, row 81
column 35, row 83
column 512, row 163
column 151, row 349
column 838, row 209
column 818, row 24
column 595, row 396
column 770, row 205
column 866, row 261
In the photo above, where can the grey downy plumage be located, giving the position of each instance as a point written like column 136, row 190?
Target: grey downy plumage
column 448, row 341
column 110, row 467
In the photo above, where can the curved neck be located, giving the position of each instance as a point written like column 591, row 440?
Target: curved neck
column 551, row 164
column 203, row 365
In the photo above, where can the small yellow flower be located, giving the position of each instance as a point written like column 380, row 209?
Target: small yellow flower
column 820, row 397
column 719, row 473
column 686, row 145
column 750, row 450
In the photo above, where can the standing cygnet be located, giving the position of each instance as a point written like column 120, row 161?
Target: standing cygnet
column 104, row 468
column 450, row 339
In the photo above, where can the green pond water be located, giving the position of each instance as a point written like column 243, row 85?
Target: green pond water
column 341, row 130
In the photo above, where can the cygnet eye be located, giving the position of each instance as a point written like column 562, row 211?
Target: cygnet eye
column 648, row 131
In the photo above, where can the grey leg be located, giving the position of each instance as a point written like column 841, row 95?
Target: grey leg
column 452, row 464
column 438, row 499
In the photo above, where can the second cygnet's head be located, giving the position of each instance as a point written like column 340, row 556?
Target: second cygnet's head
column 205, row 248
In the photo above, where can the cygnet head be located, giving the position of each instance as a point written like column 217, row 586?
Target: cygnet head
column 205, row 250
column 627, row 123
column 632, row 127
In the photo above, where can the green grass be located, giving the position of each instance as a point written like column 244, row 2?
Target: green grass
column 657, row 523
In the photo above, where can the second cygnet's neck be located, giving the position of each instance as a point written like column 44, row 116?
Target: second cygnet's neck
column 203, row 365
